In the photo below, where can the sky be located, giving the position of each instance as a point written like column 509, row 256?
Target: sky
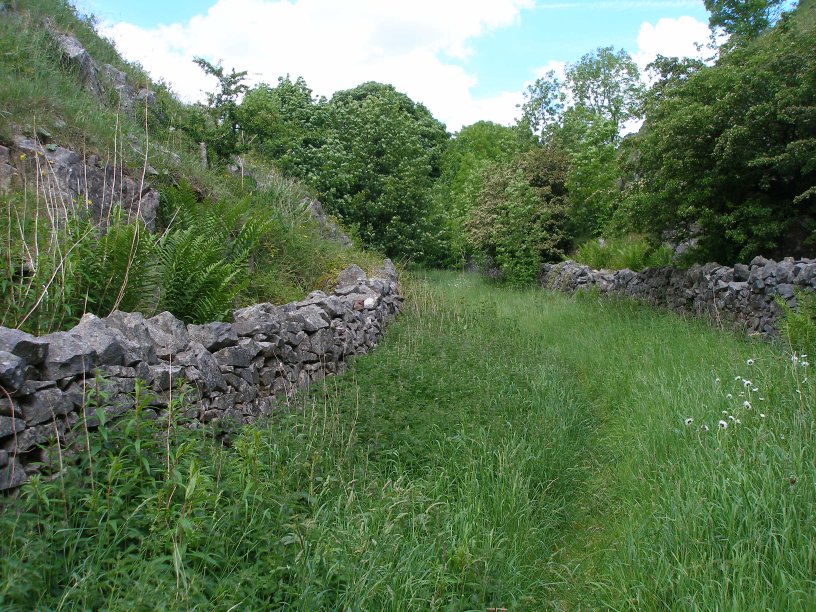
column 466, row 60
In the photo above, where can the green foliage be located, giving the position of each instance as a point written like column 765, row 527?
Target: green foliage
column 281, row 121
column 743, row 19
column 441, row 476
column 375, row 168
column 604, row 92
column 799, row 325
column 729, row 151
column 628, row 252
column 520, row 216
column 463, row 166
column 217, row 124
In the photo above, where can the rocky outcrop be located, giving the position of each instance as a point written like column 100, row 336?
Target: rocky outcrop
column 231, row 372
column 98, row 80
column 743, row 295
column 68, row 182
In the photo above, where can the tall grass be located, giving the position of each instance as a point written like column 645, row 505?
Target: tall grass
column 500, row 448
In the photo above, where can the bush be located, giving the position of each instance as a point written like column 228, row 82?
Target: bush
column 521, row 212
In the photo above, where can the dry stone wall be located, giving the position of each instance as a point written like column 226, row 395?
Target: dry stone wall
column 238, row 371
column 743, row 295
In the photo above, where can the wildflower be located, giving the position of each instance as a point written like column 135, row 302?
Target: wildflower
column 737, row 422
column 746, row 383
column 717, row 380
column 746, row 404
column 23, row 156
column 761, row 399
column 804, row 364
column 688, row 421
column 738, row 378
column 729, row 397
column 762, row 415
column 704, row 427
column 755, row 389
column 725, row 413
column 750, row 362
column 723, row 424
column 731, row 417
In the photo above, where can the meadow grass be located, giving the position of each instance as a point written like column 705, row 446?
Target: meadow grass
column 499, row 448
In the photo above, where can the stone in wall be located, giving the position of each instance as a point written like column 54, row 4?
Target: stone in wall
column 743, row 295
column 234, row 371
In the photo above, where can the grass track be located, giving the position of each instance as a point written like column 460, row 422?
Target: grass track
column 500, row 448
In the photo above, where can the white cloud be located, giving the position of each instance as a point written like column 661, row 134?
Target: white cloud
column 671, row 37
column 333, row 45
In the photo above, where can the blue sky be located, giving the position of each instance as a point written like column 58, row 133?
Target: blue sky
column 465, row 59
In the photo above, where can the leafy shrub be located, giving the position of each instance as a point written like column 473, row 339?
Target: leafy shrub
column 521, row 213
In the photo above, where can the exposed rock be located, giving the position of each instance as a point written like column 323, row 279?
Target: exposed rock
column 10, row 426
column 12, row 370
column 169, row 334
column 12, row 476
column 213, row 336
column 68, row 355
column 328, row 228
column 134, row 327
column 46, row 405
column 30, row 348
column 351, row 276
column 74, row 183
column 107, row 342
column 75, row 56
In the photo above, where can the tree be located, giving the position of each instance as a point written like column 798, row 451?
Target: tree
column 375, row 166
column 279, row 121
column 743, row 19
column 729, row 152
column 221, row 132
column 463, row 163
column 607, row 82
column 521, row 213
column 544, row 104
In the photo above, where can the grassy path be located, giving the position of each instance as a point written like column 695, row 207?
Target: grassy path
column 500, row 448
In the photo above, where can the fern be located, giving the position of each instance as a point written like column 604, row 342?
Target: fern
column 798, row 326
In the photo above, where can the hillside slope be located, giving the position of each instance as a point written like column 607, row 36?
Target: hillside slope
column 81, row 132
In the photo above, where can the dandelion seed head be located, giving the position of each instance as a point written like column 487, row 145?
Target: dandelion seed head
column 755, row 389
column 746, row 383
column 746, row 404
column 738, row 378
column 723, row 424
column 749, row 362
column 704, row 427
column 688, row 421
column 731, row 417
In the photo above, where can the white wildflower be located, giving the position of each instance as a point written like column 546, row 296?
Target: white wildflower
column 738, row 378
column 688, row 421
column 750, row 362
column 731, row 417
column 762, row 415
column 717, row 380
column 704, row 427
column 746, row 404
column 746, row 383
column 723, row 424
column 755, row 389
column 729, row 397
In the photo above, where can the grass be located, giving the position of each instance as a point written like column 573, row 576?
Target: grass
column 500, row 448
